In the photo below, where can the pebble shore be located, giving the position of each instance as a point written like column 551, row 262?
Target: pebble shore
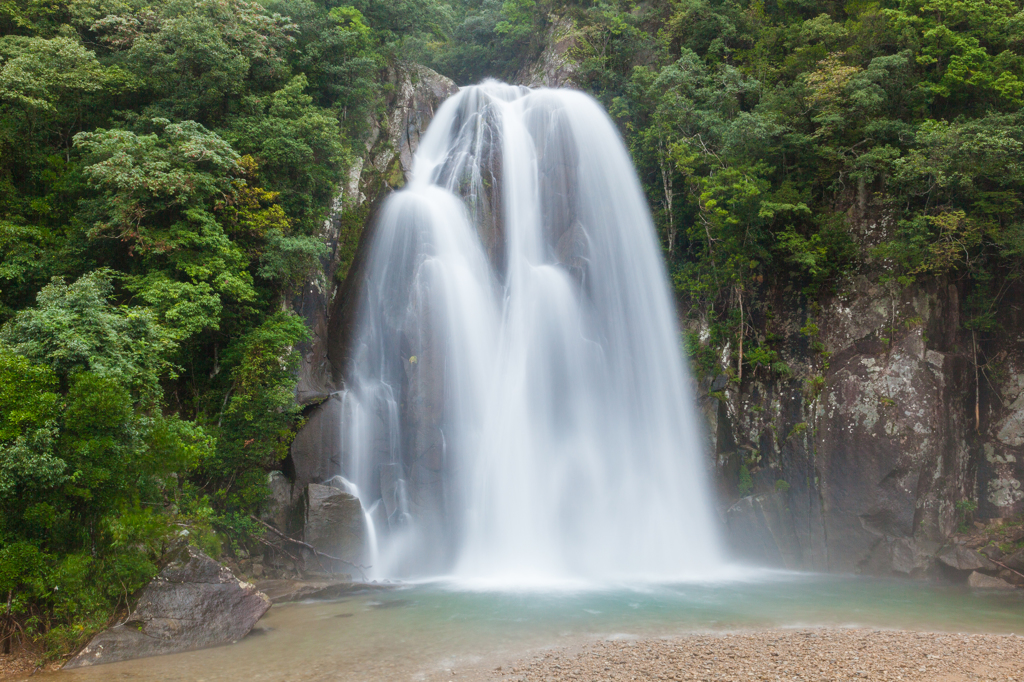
column 806, row 655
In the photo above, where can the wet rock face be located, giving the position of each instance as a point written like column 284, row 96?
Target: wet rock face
column 318, row 451
column 280, row 509
column 1001, row 416
column 194, row 603
column 893, row 450
column 417, row 93
column 762, row 526
column 876, row 447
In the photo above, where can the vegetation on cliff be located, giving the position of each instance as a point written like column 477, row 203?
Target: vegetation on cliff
column 165, row 168
column 761, row 129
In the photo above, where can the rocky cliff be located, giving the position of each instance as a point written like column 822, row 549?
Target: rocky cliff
column 884, row 425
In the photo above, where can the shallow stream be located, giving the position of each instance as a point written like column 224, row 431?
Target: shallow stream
column 428, row 631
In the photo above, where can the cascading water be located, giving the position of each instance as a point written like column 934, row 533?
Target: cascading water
column 516, row 406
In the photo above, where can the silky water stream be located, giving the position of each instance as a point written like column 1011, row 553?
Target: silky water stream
column 516, row 408
column 516, row 419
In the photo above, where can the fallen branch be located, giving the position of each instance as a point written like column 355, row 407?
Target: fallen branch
column 317, row 553
column 281, row 550
column 999, row 563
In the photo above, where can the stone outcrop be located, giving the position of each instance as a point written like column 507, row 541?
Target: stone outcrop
column 1016, row 561
column 281, row 509
column 336, row 526
column 961, row 558
column 316, row 452
column 556, row 66
column 193, row 603
column 873, row 441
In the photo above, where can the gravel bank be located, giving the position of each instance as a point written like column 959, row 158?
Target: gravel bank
column 805, row 655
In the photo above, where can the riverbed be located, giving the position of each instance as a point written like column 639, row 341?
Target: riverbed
column 445, row 629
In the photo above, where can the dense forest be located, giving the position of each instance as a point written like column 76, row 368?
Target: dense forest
column 166, row 166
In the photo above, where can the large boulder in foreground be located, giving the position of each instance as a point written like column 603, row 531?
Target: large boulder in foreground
column 194, row 603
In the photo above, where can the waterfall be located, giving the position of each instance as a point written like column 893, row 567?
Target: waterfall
column 516, row 406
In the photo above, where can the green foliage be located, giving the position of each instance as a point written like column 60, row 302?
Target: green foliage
column 964, row 511
column 259, row 421
column 781, row 487
column 745, row 486
column 73, row 328
column 165, row 170
column 768, row 136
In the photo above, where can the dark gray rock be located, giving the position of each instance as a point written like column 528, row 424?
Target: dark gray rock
column 905, row 557
column 193, row 603
column 1016, row 561
column 281, row 509
column 316, row 450
column 964, row 559
column 335, row 525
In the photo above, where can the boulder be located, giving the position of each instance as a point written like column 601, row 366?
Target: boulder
column 988, row 582
column 902, row 557
column 1016, row 561
column 193, row 603
column 963, row 559
column 335, row 525
column 992, row 552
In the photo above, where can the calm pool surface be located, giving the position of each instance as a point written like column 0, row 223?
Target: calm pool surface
column 424, row 631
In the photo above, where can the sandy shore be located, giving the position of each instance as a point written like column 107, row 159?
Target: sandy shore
column 832, row 655
column 807, row 655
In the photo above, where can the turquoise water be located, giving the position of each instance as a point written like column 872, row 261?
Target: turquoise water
column 424, row 631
